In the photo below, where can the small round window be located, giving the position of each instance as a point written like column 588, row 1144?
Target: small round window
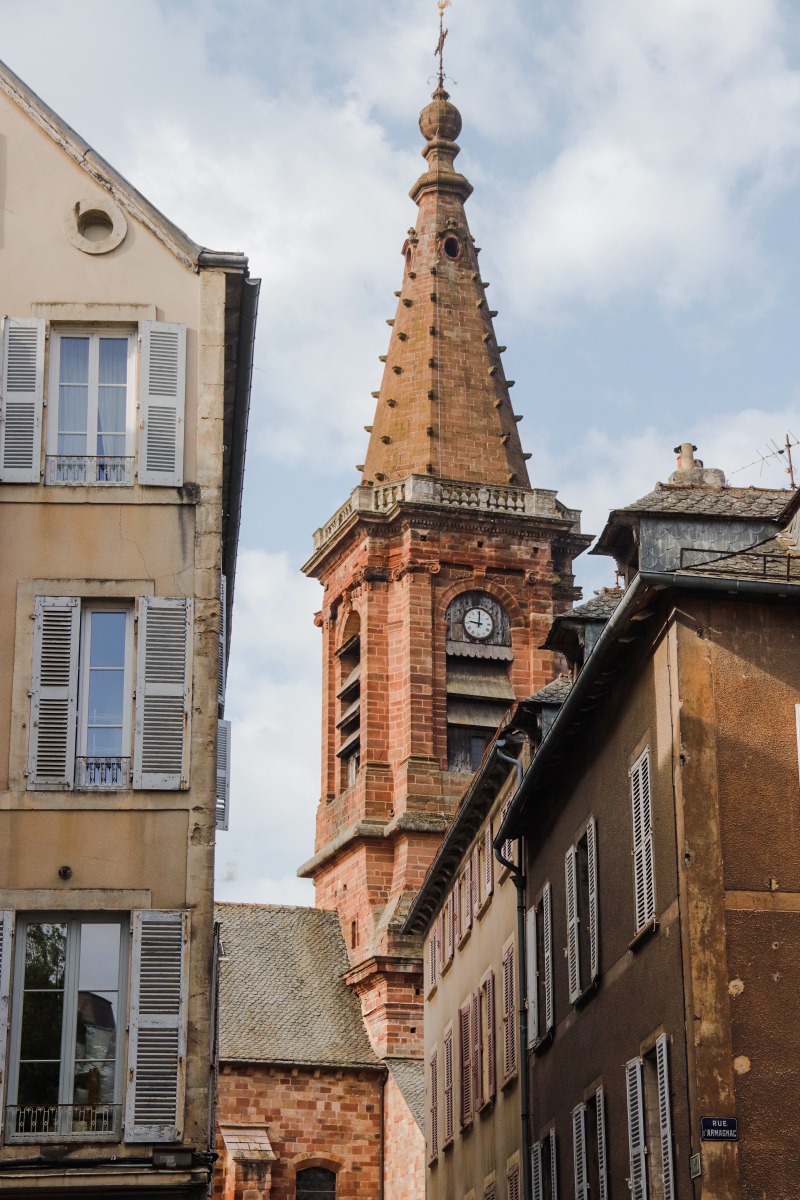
column 451, row 247
column 95, row 226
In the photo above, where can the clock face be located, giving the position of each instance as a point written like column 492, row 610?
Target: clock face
column 478, row 623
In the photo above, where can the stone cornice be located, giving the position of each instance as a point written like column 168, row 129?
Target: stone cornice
column 407, row 822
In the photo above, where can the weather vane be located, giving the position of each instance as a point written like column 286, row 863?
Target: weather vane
column 443, row 4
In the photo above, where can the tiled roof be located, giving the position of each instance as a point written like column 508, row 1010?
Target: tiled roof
column 599, row 608
column 555, row 692
column 409, row 1075
column 712, row 501
column 281, row 993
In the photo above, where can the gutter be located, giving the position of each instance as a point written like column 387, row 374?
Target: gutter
column 645, row 581
column 241, row 413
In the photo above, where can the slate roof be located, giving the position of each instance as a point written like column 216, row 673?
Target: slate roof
column 712, row 501
column 409, row 1075
column 767, row 560
column 554, row 692
column 599, row 608
column 281, row 993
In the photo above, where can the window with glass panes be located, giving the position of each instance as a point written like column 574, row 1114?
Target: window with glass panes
column 64, row 1064
column 91, row 429
column 103, row 750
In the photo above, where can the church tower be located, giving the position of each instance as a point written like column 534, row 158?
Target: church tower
column 442, row 573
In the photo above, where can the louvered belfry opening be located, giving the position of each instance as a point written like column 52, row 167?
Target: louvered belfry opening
column 348, row 698
column 479, row 689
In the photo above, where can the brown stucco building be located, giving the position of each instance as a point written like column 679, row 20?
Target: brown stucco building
column 125, row 376
column 658, row 818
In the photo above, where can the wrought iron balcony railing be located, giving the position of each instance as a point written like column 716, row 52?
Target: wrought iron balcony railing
column 81, row 469
column 60, row 1122
column 96, row 773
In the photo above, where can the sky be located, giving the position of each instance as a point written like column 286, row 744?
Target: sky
column 637, row 190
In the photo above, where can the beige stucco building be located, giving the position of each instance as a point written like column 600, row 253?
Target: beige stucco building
column 126, row 359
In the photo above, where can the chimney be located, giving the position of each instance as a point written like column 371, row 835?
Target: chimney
column 692, row 473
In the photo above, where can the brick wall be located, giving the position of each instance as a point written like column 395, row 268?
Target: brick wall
column 315, row 1116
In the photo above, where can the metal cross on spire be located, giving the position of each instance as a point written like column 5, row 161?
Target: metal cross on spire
column 443, row 4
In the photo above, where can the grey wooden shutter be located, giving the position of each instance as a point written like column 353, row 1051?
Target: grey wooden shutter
column 162, row 401
column 157, row 1038
column 637, row 1181
column 553, row 1164
column 22, row 384
column 665, row 1118
column 537, row 1178
column 488, row 859
column 434, row 1068
column 465, row 1064
column 579, row 1152
column 163, row 694
column 223, row 774
column 54, row 692
column 532, row 981
column 6, row 934
column 491, row 1053
column 573, row 952
column 643, row 874
column 547, row 940
column 223, row 642
column 591, row 864
column 602, row 1153
column 477, row 1053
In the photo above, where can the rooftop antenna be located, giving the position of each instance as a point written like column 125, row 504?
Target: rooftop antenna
column 439, row 51
column 775, row 452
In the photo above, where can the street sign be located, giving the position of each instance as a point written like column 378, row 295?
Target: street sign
column 719, row 1129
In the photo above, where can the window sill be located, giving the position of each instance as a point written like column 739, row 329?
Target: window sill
column 466, row 1127
column 486, row 1107
column 587, row 993
column 466, row 935
column 644, row 935
column 544, row 1042
column 486, row 904
column 512, row 1078
column 448, row 1145
column 446, row 966
column 432, row 991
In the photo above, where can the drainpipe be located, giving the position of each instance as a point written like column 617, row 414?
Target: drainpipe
column 518, row 875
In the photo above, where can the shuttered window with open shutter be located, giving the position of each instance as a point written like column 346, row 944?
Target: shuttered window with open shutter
column 547, row 940
column 223, row 643
column 491, row 1052
column 531, row 959
column 553, row 1164
column 579, row 1152
column 54, row 692
column 434, row 1068
column 467, row 881
column 594, row 932
column 6, row 934
column 476, row 878
column 537, row 1176
column 163, row 694
column 448, row 1086
column 477, row 1054
column 512, row 1177
column 637, row 1181
column 157, row 1039
column 602, row 1153
column 643, row 869
column 465, row 1063
column 571, row 893
column 509, row 1021
column 162, row 400
column 223, row 774
column 665, row 1118
column 488, row 860
column 22, row 383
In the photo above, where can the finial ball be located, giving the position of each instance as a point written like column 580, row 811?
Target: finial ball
column 440, row 118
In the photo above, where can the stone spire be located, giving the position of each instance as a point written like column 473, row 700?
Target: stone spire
column 443, row 408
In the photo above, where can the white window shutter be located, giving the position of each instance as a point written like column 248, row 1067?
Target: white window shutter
column 223, row 642
column 579, row 1152
column 643, row 871
column 537, row 1180
column 547, row 940
column 573, row 960
column 665, row 1118
column 532, row 976
column 553, row 1164
column 54, row 692
column 162, row 401
column 157, row 1038
column 6, row 934
column 602, row 1153
column 163, row 694
column 22, row 384
column 637, row 1181
column 223, row 773
column 591, row 864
